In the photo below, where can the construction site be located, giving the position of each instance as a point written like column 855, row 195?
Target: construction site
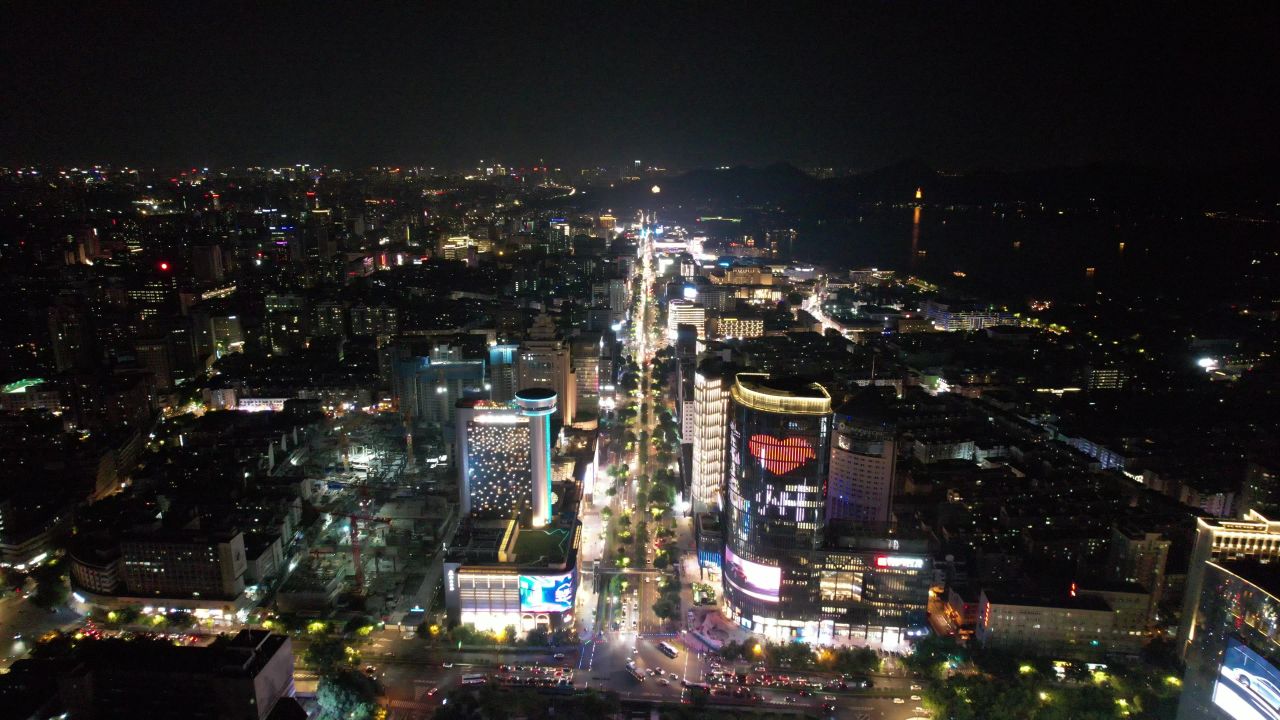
column 384, row 515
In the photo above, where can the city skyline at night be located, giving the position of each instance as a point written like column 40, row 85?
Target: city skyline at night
column 691, row 361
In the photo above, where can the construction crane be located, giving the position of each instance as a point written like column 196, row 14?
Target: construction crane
column 408, row 437
column 353, row 532
column 355, row 545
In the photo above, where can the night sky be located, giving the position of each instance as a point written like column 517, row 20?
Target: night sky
column 954, row 84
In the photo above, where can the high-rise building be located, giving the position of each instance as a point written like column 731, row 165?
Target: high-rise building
column 156, row 355
column 781, row 242
column 206, row 263
column 558, row 236
column 585, row 351
column 284, row 323
column 374, row 320
column 71, row 333
column 1138, row 556
column 329, row 319
column 779, row 445
column 156, row 297
column 618, row 300
column 215, row 333
column 430, row 388
column 539, row 404
column 545, row 361
column 736, row 325
column 493, row 450
column 864, row 459
column 183, row 563
column 502, row 372
column 686, row 355
column 711, row 386
column 1261, row 487
column 1254, row 538
column 245, row 677
column 685, row 312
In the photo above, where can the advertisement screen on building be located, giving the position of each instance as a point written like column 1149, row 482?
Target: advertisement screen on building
column 546, row 593
column 1248, row 687
column 761, row 582
column 781, row 455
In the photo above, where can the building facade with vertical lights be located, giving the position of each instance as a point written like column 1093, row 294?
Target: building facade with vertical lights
column 711, row 386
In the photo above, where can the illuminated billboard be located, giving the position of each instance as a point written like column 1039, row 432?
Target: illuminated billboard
column 546, row 593
column 781, row 456
column 1248, row 687
column 761, row 582
column 897, row 561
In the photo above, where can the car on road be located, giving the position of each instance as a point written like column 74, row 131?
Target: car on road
column 915, row 698
column 916, row 687
column 370, row 670
column 432, row 692
column 1260, row 687
column 558, row 656
column 446, row 664
column 664, row 681
column 674, row 676
column 829, row 698
column 899, row 701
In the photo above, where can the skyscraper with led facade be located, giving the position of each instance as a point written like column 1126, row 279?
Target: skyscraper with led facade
column 779, row 445
column 538, row 405
column 494, row 474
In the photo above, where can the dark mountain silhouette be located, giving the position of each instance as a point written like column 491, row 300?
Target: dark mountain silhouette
column 784, row 186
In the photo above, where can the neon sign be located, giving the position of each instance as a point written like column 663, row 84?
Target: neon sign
column 893, row 561
column 781, row 456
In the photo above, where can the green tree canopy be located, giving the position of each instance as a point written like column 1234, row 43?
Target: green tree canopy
column 347, row 695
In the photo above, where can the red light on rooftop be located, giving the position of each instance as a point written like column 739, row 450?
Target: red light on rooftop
column 164, row 266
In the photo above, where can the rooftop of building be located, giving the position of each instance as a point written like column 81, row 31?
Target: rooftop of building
column 870, row 405
column 852, row 535
column 781, row 394
column 180, row 535
column 544, row 546
column 244, row 655
column 1112, row 586
column 782, row 386
column 1058, row 602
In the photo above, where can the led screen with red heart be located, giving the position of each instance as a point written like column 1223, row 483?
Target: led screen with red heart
column 781, row 456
